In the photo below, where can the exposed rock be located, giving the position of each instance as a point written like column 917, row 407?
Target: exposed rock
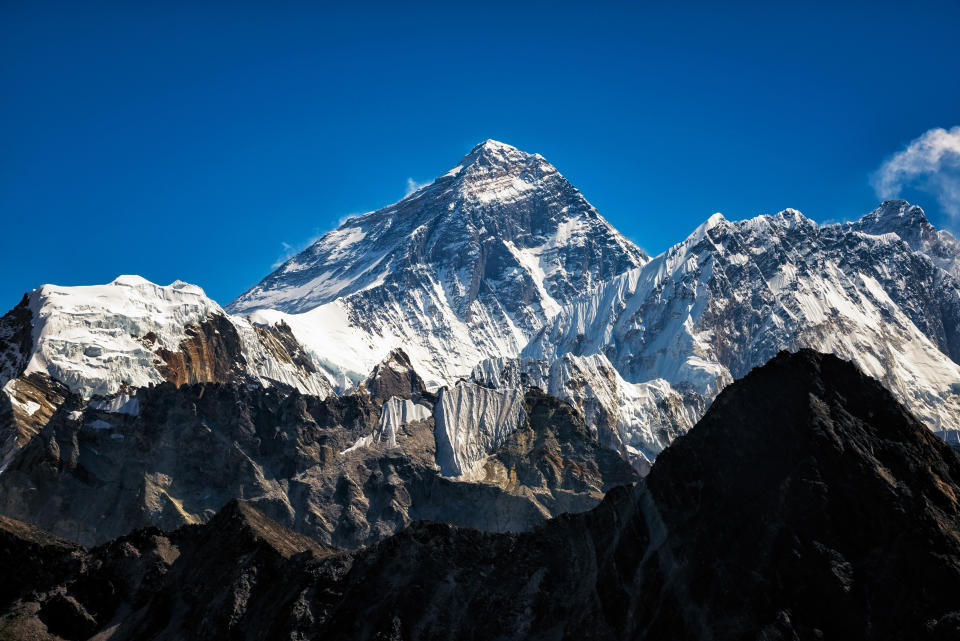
column 16, row 340
column 27, row 405
column 341, row 470
column 282, row 345
column 806, row 504
column 468, row 267
column 210, row 352
column 395, row 377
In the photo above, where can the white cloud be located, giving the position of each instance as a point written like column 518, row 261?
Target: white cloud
column 289, row 251
column 413, row 185
column 931, row 163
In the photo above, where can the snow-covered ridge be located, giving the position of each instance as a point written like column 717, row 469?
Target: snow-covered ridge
column 910, row 224
column 87, row 337
column 732, row 295
column 101, row 339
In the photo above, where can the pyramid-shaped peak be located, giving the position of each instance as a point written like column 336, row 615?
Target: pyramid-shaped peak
column 492, row 153
column 896, row 216
column 494, row 145
column 899, row 209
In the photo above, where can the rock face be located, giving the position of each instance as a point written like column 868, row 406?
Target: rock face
column 911, row 225
column 500, row 269
column 107, row 339
column 347, row 471
column 806, row 504
column 468, row 267
column 102, row 339
column 693, row 319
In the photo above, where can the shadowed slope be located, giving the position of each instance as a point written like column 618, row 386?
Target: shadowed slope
column 806, row 504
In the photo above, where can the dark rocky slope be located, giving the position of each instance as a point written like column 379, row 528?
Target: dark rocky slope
column 94, row 475
column 806, row 504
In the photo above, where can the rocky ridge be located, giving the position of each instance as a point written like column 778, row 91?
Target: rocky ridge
column 807, row 486
column 664, row 339
column 346, row 470
column 101, row 341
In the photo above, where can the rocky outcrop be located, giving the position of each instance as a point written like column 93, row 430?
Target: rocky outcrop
column 806, row 504
column 395, row 377
column 280, row 342
column 27, row 402
column 16, row 340
column 26, row 407
column 342, row 470
column 210, row 352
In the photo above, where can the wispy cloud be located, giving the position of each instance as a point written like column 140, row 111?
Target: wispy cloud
column 931, row 163
column 289, row 251
column 413, row 185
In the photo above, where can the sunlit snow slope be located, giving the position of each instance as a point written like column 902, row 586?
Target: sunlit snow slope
column 731, row 296
column 466, row 268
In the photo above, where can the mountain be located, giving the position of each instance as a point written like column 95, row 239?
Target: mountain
column 345, row 470
column 500, row 272
column 107, row 340
column 806, row 504
column 467, row 267
column 639, row 346
column 644, row 354
column 910, row 223
column 433, row 319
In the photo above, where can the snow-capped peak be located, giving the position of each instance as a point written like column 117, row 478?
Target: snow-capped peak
column 910, row 223
column 492, row 152
column 468, row 267
column 99, row 339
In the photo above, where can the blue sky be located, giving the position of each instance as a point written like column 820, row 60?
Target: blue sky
column 197, row 143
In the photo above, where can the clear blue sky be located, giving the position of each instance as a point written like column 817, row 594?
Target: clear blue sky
column 193, row 143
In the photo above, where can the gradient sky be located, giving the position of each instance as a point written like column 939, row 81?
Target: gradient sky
column 203, row 143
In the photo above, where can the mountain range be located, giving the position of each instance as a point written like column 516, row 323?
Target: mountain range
column 491, row 334
column 806, row 504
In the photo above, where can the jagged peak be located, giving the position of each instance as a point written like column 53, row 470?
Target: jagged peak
column 492, row 153
column 896, row 212
column 493, row 145
column 393, row 376
column 698, row 234
column 242, row 518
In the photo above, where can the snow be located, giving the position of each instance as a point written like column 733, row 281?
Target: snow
column 344, row 350
column 395, row 414
column 471, row 421
column 417, row 275
column 28, row 407
column 117, row 404
column 361, row 443
column 699, row 315
column 97, row 339
column 87, row 337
